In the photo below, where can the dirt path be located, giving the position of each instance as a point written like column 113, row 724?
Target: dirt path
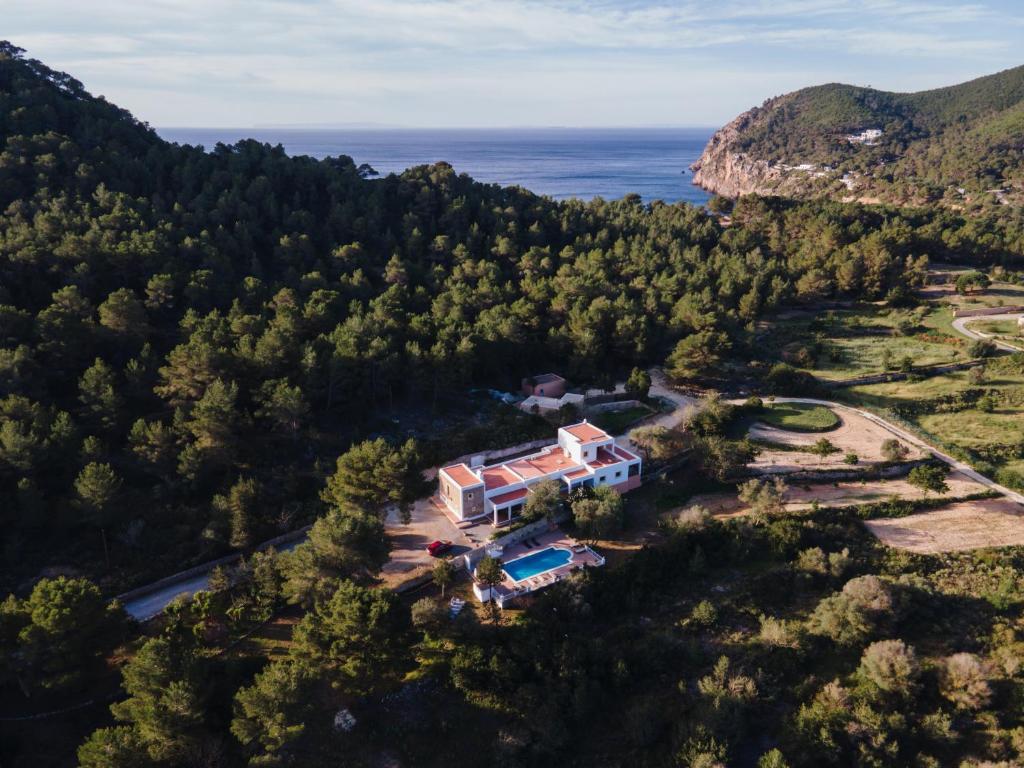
column 914, row 442
column 855, row 434
column 958, row 527
column 962, row 326
column 842, row 494
column 682, row 405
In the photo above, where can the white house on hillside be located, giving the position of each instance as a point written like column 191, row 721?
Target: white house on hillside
column 584, row 456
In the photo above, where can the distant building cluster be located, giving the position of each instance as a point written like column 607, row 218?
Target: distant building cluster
column 869, row 137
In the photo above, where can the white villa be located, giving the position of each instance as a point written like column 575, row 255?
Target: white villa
column 584, row 456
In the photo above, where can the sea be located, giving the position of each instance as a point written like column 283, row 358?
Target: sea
column 561, row 163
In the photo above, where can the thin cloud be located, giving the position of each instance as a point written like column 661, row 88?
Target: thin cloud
column 514, row 58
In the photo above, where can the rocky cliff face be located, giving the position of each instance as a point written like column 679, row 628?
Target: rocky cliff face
column 725, row 169
column 853, row 143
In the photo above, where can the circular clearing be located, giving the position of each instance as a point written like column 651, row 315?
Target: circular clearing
column 799, row 417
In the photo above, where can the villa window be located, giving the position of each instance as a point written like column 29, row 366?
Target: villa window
column 469, row 495
column 618, row 473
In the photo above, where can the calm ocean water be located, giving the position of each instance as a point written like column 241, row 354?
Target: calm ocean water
column 560, row 162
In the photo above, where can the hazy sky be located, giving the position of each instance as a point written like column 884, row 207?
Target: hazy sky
column 239, row 63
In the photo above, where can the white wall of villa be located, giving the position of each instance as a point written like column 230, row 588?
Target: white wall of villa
column 583, row 456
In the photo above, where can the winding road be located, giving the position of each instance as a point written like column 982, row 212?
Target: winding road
column 911, row 438
column 145, row 604
column 960, row 324
column 408, row 540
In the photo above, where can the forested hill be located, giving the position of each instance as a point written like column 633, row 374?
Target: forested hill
column 962, row 146
column 188, row 339
column 200, row 350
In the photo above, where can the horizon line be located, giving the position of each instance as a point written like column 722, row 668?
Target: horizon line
column 372, row 127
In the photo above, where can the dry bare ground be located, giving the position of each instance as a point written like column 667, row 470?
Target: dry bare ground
column 854, row 434
column 967, row 525
column 841, row 494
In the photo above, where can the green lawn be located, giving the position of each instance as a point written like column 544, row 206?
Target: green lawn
column 972, row 428
column 617, row 422
column 799, row 417
column 846, row 344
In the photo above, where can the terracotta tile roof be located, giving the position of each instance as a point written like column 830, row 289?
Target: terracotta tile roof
column 576, row 474
column 624, row 454
column 505, row 498
column 604, row 458
column 546, row 378
column 547, row 462
column 554, row 461
column 585, row 432
column 462, row 475
column 496, row 477
column 525, row 469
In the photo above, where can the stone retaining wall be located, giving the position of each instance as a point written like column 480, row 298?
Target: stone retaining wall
column 983, row 311
column 879, row 378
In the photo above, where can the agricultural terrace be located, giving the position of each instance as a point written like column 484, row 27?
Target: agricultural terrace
column 845, row 494
column 942, row 291
column 851, row 441
column 977, row 414
column 1001, row 329
column 968, row 525
column 869, row 339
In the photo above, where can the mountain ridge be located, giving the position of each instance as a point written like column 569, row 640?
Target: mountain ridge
column 961, row 145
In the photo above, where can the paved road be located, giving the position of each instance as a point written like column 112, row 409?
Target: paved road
column 147, row 605
column 682, row 406
column 428, row 523
column 909, row 437
column 409, row 542
column 960, row 324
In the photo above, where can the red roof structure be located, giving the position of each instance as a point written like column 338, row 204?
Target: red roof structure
column 462, row 475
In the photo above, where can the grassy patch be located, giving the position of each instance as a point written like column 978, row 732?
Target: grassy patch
column 850, row 343
column 617, row 422
column 995, row 327
column 799, row 417
column 997, row 295
column 971, row 428
column 984, row 437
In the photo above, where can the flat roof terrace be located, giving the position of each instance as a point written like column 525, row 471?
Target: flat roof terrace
column 547, row 462
column 498, row 476
column 587, row 433
column 462, row 475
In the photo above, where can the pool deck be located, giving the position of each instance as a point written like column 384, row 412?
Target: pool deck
column 582, row 556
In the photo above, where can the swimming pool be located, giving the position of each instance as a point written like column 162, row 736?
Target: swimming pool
column 536, row 563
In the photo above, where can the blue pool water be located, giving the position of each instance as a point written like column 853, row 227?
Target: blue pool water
column 536, row 563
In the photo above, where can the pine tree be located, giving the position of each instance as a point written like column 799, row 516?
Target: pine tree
column 97, row 487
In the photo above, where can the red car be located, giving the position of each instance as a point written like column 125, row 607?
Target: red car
column 438, row 548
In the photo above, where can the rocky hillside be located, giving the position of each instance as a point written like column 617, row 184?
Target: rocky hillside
column 962, row 145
